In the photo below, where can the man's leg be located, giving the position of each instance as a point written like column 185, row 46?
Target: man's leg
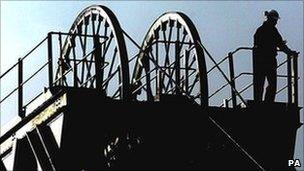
column 272, row 83
column 258, row 83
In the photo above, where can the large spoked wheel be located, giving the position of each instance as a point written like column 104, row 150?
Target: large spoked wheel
column 171, row 61
column 94, row 54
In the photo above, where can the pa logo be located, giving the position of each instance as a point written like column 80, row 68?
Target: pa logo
column 294, row 163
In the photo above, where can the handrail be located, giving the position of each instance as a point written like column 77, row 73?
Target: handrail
column 232, row 53
column 42, row 41
column 292, row 76
column 25, row 56
column 241, row 48
column 77, row 34
column 247, row 73
column 223, row 74
column 71, row 68
column 35, row 73
column 246, row 48
column 281, row 76
column 248, row 86
column 49, row 63
column 20, row 80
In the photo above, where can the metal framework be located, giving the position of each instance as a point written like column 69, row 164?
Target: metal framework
column 171, row 61
column 291, row 76
column 101, row 52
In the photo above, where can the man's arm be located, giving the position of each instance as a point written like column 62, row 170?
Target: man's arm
column 282, row 44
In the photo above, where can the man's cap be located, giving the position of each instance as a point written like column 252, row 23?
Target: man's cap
column 272, row 14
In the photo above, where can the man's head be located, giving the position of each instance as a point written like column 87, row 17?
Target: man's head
column 272, row 16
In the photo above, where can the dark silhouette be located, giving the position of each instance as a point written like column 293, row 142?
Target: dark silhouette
column 98, row 130
column 266, row 41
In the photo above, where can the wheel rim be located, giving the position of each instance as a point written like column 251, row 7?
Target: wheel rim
column 101, row 31
column 171, row 61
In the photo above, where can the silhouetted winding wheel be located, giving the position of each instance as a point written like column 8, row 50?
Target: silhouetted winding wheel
column 94, row 55
column 171, row 61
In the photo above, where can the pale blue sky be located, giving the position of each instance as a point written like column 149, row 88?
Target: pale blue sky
column 223, row 26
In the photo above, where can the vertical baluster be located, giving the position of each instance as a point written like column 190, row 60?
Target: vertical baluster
column 21, row 113
column 232, row 81
column 295, row 79
column 50, row 59
column 289, row 82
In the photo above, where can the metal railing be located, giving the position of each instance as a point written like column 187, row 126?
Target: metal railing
column 292, row 78
column 292, row 73
column 21, row 81
column 46, row 65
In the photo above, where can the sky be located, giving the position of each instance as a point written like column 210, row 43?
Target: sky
column 223, row 26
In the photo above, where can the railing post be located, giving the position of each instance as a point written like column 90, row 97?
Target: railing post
column 61, row 61
column 232, row 82
column 225, row 103
column 289, row 81
column 21, row 113
column 295, row 80
column 50, row 59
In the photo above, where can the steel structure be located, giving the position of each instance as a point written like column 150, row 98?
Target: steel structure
column 170, row 61
column 96, row 41
column 92, row 69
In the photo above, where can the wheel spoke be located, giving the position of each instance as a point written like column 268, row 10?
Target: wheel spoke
column 111, row 67
column 93, row 25
column 176, row 74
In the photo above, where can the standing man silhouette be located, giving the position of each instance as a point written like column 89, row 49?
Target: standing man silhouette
column 266, row 41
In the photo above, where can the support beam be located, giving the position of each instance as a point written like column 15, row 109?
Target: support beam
column 24, row 157
column 39, row 148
